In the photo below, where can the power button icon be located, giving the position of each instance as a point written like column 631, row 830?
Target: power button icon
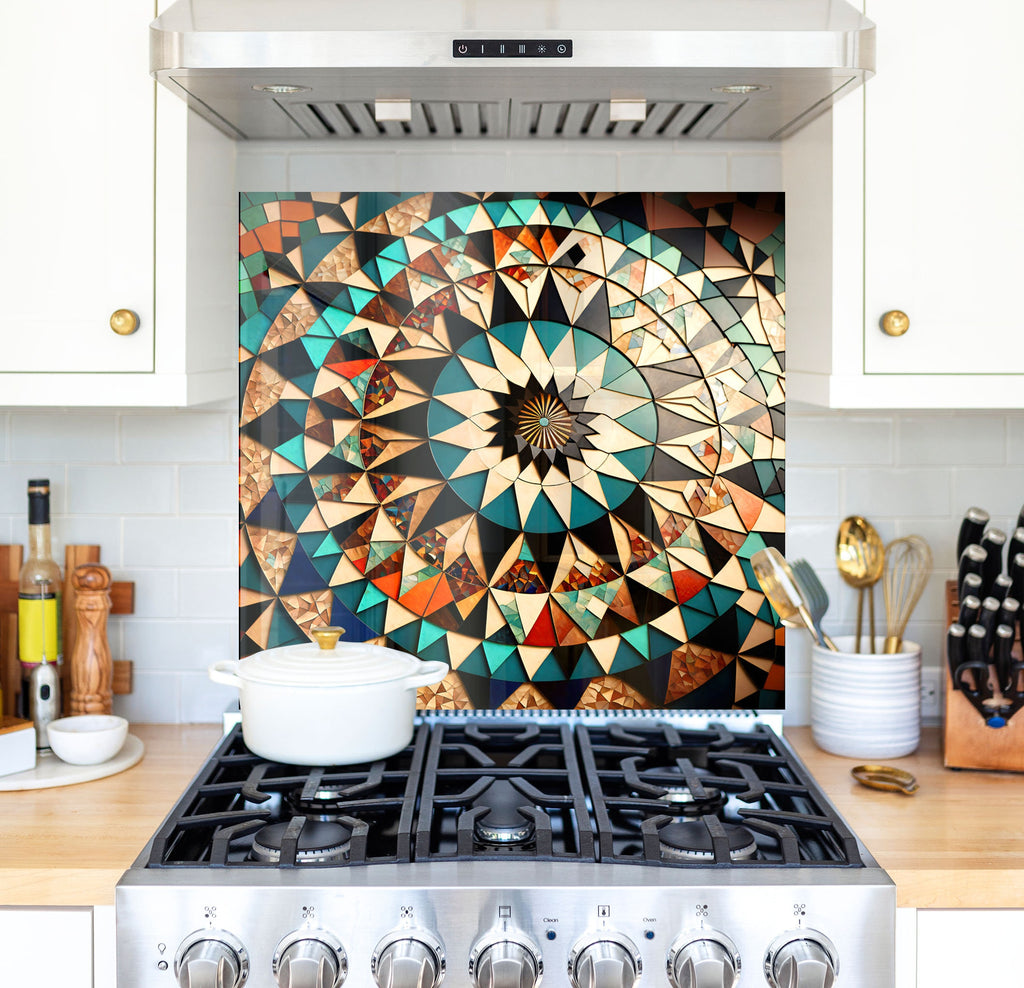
column 463, row 49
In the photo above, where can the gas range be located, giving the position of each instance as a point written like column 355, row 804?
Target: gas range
column 496, row 851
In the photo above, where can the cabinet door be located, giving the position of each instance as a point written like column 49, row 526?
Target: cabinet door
column 42, row 946
column 944, row 208
column 77, row 162
column 968, row 947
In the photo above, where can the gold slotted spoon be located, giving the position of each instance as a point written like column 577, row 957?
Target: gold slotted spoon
column 860, row 558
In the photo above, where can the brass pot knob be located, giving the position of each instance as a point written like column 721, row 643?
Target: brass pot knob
column 326, row 636
column 124, row 322
column 895, row 323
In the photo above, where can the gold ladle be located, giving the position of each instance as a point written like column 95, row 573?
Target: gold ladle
column 860, row 557
column 783, row 592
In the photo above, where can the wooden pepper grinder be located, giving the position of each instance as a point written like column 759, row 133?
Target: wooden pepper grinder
column 92, row 671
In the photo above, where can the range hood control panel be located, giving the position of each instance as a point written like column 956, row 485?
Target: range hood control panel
column 512, row 48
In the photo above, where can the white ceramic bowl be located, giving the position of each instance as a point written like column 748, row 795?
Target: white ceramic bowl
column 88, row 739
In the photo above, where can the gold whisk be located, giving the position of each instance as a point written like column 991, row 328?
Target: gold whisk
column 908, row 564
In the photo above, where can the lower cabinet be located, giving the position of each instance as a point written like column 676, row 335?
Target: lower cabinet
column 48, row 946
column 969, row 947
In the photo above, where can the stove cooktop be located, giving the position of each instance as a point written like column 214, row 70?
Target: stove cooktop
column 645, row 793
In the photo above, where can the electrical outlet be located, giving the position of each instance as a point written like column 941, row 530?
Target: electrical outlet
column 931, row 694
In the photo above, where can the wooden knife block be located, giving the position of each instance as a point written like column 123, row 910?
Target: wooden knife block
column 122, row 597
column 967, row 741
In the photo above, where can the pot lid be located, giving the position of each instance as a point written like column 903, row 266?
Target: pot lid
column 309, row 664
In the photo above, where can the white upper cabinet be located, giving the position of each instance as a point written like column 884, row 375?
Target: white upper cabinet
column 905, row 198
column 98, row 218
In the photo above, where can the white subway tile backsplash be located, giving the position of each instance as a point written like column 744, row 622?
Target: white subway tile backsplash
column 155, row 699
column 120, row 489
column 156, row 592
column 897, row 493
column 104, row 531
column 202, row 700
column 811, row 440
column 181, row 645
column 938, row 438
column 64, row 435
column 180, row 542
column 14, row 478
column 812, row 492
column 209, row 490
column 181, row 437
column 999, row 490
column 208, row 593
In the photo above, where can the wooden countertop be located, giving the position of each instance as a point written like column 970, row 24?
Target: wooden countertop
column 959, row 842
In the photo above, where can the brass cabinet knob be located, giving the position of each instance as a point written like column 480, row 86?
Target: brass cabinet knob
column 124, row 322
column 895, row 323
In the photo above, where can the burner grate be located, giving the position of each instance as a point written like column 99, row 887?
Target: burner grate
column 500, row 789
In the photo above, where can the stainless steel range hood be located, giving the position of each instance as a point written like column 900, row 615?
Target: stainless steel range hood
column 400, row 69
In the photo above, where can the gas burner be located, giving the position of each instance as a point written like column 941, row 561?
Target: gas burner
column 691, row 841
column 683, row 802
column 325, row 803
column 502, row 823
column 319, row 842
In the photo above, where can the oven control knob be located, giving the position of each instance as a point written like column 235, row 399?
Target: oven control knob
column 705, row 960
column 508, row 961
column 606, row 960
column 408, row 959
column 310, row 959
column 801, row 959
column 211, row 959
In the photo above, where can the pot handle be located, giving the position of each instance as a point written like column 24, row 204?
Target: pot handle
column 432, row 672
column 224, row 672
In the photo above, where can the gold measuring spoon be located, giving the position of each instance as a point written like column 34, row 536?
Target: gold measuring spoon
column 783, row 592
column 860, row 558
column 886, row 778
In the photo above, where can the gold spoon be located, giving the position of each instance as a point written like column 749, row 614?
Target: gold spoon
column 860, row 557
column 783, row 592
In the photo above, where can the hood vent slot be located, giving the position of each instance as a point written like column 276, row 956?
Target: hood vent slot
column 354, row 120
column 573, row 120
column 585, row 118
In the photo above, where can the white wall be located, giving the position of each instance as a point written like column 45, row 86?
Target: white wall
column 158, row 489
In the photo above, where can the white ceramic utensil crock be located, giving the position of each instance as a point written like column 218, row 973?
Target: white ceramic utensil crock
column 316, row 704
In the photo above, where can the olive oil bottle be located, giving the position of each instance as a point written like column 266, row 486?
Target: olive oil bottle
column 39, row 593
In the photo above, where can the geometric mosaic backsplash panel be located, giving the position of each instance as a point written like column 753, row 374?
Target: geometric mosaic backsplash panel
column 536, row 436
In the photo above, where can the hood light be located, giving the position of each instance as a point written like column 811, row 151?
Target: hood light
column 279, row 90
column 741, row 89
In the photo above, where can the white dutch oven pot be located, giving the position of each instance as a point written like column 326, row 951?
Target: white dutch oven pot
column 317, row 704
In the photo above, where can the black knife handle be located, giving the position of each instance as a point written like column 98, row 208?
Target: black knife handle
column 989, row 618
column 1000, row 586
column 1016, row 569
column 977, row 660
column 956, row 652
column 972, row 560
column 1001, row 658
column 970, row 608
column 1016, row 545
column 992, row 542
column 973, row 524
column 1020, row 518
column 1009, row 612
